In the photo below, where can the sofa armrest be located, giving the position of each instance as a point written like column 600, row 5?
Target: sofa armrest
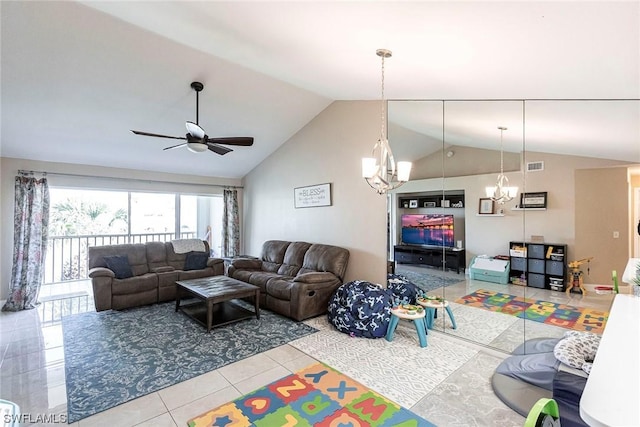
column 315, row 277
column 101, row 281
column 101, row 272
column 247, row 264
column 211, row 262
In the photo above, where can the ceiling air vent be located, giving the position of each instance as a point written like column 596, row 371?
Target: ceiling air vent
column 535, row 166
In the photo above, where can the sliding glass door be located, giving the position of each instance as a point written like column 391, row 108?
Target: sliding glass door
column 81, row 218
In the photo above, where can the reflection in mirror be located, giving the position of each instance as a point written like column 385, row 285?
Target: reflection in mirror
column 476, row 153
column 585, row 155
column 420, row 230
column 576, row 160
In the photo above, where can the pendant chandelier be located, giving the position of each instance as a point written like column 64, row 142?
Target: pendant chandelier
column 381, row 171
column 502, row 192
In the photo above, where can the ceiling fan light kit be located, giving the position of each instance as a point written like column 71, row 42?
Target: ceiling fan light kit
column 196, row 140
column 196, row 147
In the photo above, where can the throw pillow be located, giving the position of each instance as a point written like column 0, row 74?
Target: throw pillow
column 196, row 261
column 119, row 264
column 577, row 349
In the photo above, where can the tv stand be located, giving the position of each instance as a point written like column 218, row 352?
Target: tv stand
column 439, row 257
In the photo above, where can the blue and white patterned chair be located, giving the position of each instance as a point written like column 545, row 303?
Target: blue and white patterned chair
column 361, row 309
column 403, row 289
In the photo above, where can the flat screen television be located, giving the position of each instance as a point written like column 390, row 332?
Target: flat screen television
column 428, row 229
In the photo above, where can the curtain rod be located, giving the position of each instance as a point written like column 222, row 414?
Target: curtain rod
column 148, row 181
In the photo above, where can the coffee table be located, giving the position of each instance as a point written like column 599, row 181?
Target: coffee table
column 214, row 306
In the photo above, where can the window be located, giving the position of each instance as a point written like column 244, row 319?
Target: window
column 153, row 217
column 203, row 215
column 83, row 218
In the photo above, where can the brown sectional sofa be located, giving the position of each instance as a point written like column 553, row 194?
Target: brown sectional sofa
column 296, row 279
column 155, row 267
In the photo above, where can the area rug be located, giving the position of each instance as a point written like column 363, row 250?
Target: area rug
column 314, row 396
column 425, row 281
column 400, row 370
column 550, row 313
column 475, row 325
column 112, row 357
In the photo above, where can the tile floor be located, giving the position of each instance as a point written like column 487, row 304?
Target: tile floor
column 32, row 372
column 508, row 331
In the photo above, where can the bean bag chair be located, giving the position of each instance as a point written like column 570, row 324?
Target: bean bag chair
column 404, row 291
column 361, row 309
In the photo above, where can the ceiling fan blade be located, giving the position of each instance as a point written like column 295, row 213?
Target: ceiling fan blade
column 195, row 130
column 175, row 146
column 218, row 149
column 137, row 132
column 243, row 141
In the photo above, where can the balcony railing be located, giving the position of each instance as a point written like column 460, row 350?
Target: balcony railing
column 67, row 256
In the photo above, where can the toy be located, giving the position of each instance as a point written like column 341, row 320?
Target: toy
column 575, row 275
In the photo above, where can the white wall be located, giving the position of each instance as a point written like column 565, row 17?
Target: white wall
column 327, row 149
column 105, row 178
column 491, row 234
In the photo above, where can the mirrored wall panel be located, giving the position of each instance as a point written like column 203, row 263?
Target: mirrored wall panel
column 509, row 221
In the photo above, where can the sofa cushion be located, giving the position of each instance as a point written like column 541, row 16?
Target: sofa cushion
column 156, row 255
column 271, row 267
column 196, row 261
column 136, row 253
column 325, row 258
column 177, row 260
column 260, row 278
column 244, row 275
column 135, row 285
column 273, row 251
column 195, row 274
column 280, row 288
column 120, row 266
column 138, row 259
column 293, row 258
column 167, row 285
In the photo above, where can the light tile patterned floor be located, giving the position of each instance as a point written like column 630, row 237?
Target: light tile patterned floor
column 32, row 369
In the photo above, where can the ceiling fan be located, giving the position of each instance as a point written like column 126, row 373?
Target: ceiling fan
column 197, row 140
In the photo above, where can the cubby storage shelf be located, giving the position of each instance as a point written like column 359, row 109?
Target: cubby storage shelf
column 447, row 200
column 538, row 265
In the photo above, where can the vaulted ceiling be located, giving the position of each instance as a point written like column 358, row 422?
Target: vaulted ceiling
column 77, row 76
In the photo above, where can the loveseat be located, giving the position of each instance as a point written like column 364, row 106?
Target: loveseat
column 153, row 268
column 296, row 279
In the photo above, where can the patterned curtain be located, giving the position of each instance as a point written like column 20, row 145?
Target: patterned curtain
column 230, row 224
column 31, row 232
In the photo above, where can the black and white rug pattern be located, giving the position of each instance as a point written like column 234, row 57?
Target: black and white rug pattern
column 400, row 370
column 112, row 357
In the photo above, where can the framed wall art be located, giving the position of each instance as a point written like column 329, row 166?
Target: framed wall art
column 486, row 206
column 533, row 200
column 312, row 196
